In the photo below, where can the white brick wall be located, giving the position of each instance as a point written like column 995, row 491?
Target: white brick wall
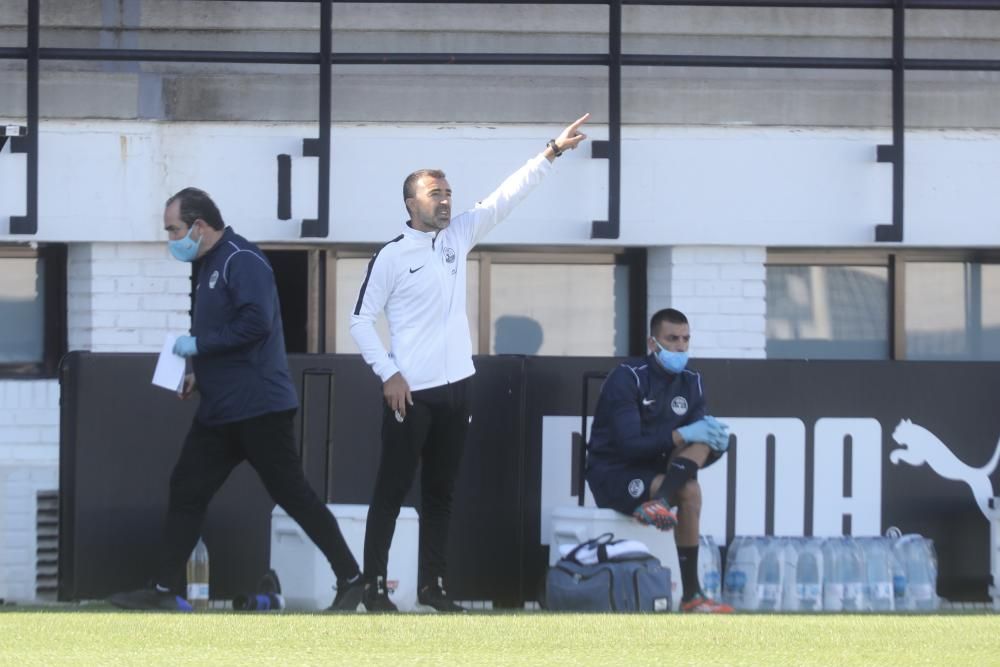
column 29, row 461
column 29, row 421
column 19, row 486
column 125, row 297
column 720, row 289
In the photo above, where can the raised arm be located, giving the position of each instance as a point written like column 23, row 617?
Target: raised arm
column 567, row 140
column 489, row 212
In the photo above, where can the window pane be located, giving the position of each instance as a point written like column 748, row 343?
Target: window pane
column 555, row 309
column 351, row 273
column 952, row 311
column 22, row 309
column 827, row 312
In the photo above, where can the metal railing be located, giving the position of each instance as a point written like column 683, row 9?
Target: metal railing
column 614, row 60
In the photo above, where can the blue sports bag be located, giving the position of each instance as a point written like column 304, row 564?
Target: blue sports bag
column 595, row 576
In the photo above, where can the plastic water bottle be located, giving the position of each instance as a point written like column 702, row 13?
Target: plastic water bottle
column 740, row 583
column 197, row 577
column 854, row 575
column 916, row 554
column 878, row 574
column 932, row 571
column 789, row 571
column 809, row 576
column 710, row 567
column 901, row 599
column 833, row 583
column 899, row 581
column 770, row 576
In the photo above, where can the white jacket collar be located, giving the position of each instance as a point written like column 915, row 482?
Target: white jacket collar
column 416, row 235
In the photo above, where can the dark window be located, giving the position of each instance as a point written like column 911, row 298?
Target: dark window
column 291, row 273
column 33, row 310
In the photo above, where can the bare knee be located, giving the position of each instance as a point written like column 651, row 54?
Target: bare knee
column 689, row 498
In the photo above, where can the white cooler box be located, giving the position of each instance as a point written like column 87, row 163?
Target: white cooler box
column 306, row 578
column 574, row 524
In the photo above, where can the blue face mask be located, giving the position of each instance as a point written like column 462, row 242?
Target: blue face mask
column 185, row 249
column 673, row 362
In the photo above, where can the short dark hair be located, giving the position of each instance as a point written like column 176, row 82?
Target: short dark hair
column 410, row 184
column 666, row 315
column 196, row 204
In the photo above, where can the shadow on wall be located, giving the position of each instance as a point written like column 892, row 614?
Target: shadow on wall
column 514, row 334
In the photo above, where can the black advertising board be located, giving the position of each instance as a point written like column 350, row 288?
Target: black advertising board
column 820, row 448
column 120, row 437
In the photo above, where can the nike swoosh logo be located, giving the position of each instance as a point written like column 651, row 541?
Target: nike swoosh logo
column 648, row 401
column 416, row 269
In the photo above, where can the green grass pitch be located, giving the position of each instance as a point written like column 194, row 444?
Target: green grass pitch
column 100, row 637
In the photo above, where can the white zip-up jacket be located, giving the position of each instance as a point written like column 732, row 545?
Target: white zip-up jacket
column 419, row 279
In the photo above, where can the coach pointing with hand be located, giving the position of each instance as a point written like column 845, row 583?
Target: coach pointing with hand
column 419, row 280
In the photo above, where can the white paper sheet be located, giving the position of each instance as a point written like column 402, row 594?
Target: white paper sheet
column 170, row 368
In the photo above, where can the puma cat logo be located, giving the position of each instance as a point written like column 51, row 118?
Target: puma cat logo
column 919, row 446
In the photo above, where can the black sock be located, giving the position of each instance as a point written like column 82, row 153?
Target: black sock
column 679, row 472
column 688, row 557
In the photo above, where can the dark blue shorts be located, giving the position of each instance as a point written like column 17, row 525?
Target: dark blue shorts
column 622, row 487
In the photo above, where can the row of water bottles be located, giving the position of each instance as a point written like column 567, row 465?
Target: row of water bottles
column 892, row 573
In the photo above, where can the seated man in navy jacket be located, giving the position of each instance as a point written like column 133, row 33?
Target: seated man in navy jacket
column 649, row 438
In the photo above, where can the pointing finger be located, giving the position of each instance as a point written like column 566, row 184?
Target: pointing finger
column 579, row 121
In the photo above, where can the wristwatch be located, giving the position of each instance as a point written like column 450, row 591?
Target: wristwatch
column 551, row 143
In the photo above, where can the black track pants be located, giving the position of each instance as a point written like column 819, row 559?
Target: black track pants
column 434, row 431
column 210, row 453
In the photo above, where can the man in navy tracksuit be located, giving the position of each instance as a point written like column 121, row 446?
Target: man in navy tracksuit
column 248, row 402
column 650, row 436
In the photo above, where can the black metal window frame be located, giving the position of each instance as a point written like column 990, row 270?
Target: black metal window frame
column 53, row 297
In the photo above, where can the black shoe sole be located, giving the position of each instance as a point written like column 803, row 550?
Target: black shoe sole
column 450, row 609
column 392, row 609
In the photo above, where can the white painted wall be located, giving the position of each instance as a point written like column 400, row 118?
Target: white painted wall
column 107, row 181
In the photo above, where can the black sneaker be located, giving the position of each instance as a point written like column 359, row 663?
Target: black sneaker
column 349, row 594
column 150, row 599
column 435, row 597
column 376, row 597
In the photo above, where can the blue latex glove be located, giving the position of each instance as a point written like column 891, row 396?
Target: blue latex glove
column 721, row 441
column 186, row 346
column 709, row 430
